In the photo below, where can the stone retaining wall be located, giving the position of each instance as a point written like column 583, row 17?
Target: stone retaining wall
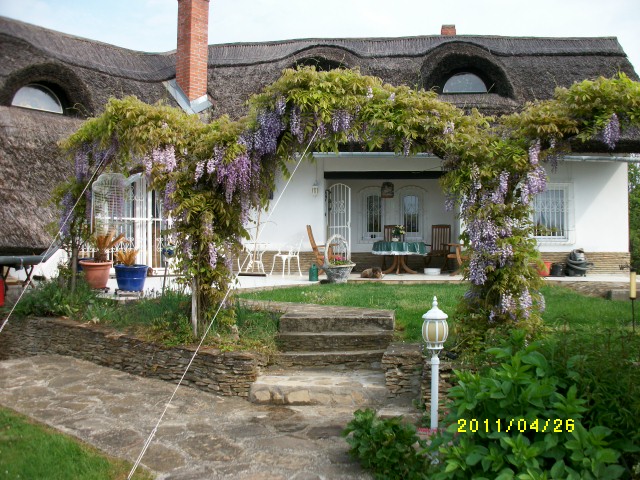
column 407, row 372
column 223, row 373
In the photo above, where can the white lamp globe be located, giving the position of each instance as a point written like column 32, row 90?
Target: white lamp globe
column 435, row 328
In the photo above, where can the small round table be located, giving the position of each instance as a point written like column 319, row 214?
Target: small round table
column 399, row 251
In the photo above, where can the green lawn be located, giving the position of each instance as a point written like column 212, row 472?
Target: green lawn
column 410, row 302
column 32, row 451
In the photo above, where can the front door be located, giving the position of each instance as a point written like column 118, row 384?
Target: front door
column 338, row 211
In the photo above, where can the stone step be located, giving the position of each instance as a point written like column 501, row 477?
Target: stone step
column 334, row 341
column 320, row 387
column 354, row 359
column 335, row 320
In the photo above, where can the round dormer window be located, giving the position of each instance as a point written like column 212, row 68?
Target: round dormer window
column 37, row 97
column 464, row 82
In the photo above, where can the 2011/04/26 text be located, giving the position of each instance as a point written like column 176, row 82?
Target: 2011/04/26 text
column 515, row 424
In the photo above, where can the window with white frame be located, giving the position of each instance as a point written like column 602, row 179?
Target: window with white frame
column 410, row 214
column 373, row 214
column 551, row 213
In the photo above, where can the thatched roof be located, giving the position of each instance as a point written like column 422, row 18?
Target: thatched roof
column 31, row 166
column 88, row 73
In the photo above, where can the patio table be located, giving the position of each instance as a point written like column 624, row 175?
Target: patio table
column 399, row 251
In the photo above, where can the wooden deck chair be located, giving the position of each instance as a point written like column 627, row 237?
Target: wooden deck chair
column 440, row 238
column 318, row 250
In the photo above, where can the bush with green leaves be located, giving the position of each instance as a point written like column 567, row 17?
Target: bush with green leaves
column 53, row 298
column 519, row 419
column 387, row 447
column 604, row 364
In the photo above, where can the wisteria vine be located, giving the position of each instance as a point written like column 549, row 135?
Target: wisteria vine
column 213, row 174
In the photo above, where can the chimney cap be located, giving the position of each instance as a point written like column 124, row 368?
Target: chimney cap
column 448, row 30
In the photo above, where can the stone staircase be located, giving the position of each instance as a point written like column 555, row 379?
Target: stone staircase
column 328, row 356
column 323, row 336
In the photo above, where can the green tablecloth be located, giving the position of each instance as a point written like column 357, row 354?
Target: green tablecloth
column 399, row 248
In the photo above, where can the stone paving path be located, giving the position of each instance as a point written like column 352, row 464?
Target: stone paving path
column 202, row 436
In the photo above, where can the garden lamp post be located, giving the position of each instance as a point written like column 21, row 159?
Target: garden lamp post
column 434, row 333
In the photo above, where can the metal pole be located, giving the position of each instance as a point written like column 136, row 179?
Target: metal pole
column 435, row 366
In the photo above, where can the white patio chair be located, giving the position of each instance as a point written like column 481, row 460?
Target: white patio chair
column 291, row 252
column 253, row 253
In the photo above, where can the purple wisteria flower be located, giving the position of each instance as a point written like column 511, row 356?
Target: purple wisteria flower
column 534, row 152
column 406, row 146
column 526, row 302
column 341, row 121
column 281, row 105
column 542, row 304
column 507, row 305
column 235, row 176
column 165, row 156
column 295, row 124
column 199, row 171
column 369, row 94
column 213, row 255
column 265, row 138
column 147, row 163
column 449, row 202
column 82, row 164
column 611, row 133
column 534, row 183
column 500, row 192
column 169, row 204
column 392, row 97
column 449, row 127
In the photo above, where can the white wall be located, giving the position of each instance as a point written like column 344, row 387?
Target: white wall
column 598, row 203
column 292, row 209
column 598, row 207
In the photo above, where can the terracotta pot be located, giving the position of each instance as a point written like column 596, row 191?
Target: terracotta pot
column 96, row 273
column 544, row 272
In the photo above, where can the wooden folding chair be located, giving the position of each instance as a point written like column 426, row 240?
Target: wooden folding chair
column 440, row 240
column 318, row 250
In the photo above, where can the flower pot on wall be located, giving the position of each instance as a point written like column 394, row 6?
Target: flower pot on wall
column 131, row 278
column 96, row 273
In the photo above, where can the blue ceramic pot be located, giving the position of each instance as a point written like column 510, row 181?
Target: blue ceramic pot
column 130, row 278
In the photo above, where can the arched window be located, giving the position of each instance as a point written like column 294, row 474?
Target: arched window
column 412, row 212
column 373, row 213
column 322, row 64
column 464, row 82
column 37, row 97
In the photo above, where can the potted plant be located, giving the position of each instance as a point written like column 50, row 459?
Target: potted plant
column 129, row 275
column 339, row 266
column 397, row 232
column 96, row 271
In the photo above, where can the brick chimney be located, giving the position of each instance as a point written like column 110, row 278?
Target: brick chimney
column 448, row 30
column 192, row 51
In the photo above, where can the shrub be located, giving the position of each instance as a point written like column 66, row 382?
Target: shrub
column 50, row 298
column 385, row 446
column 519, row 419
column 604, row 366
